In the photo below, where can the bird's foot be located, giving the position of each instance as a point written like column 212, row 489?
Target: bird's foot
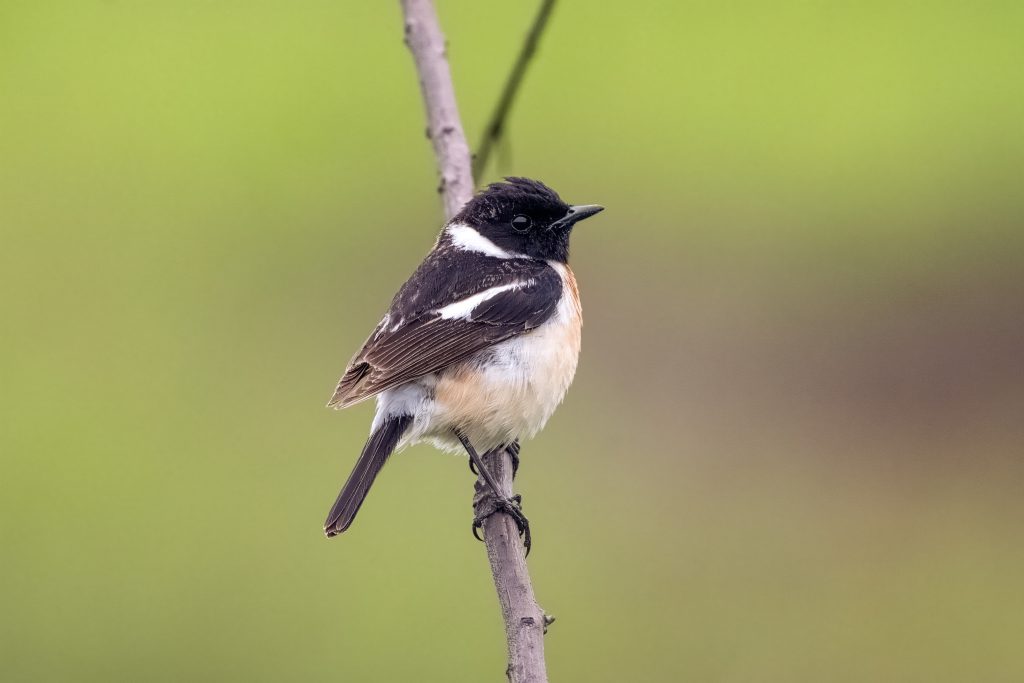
column 513, row 453
column 513, row 507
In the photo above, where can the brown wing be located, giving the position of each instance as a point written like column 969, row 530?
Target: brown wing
column 431, row 341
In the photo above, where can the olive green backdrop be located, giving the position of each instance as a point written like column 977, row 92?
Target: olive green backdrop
column 793, row 449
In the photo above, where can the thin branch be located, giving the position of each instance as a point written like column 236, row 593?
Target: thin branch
column 496, row 125
column 444, row 128
column 524, row 619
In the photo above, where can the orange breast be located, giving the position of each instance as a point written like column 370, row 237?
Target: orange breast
column 569, row 278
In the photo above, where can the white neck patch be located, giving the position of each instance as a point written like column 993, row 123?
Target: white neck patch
column 467, row 238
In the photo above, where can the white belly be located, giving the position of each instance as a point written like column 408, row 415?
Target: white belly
column 505, row 393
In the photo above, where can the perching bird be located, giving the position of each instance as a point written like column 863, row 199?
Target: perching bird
column 479, row 345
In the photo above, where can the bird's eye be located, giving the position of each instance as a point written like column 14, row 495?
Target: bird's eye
column 521, row 223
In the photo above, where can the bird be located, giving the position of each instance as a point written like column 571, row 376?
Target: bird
column 478, row 347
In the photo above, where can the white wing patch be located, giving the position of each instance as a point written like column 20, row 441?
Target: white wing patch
column 464, row 309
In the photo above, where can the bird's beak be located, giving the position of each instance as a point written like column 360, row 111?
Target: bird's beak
column 577, row 212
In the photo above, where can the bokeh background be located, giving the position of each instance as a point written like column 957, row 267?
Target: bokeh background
column 793, row 451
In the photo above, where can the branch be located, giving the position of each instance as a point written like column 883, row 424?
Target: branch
column 496, row 126
column 524, row 620
column 430, row 52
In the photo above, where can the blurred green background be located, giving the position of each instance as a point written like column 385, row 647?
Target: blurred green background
column 793, row 448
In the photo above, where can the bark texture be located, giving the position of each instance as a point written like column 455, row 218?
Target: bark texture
column 444, row 127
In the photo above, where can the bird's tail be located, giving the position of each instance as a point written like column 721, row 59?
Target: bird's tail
column 375, row 453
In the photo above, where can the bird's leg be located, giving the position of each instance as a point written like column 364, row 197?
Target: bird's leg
column 513, row 453
column 512, row 506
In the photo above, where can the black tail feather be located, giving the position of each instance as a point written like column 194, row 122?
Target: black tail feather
column 375, row 453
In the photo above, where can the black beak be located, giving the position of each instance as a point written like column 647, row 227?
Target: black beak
column 577, row 212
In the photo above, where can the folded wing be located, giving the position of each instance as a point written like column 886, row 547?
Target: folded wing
column 457, row 316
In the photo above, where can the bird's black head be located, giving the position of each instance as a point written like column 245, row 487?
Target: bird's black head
column 526, row 217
